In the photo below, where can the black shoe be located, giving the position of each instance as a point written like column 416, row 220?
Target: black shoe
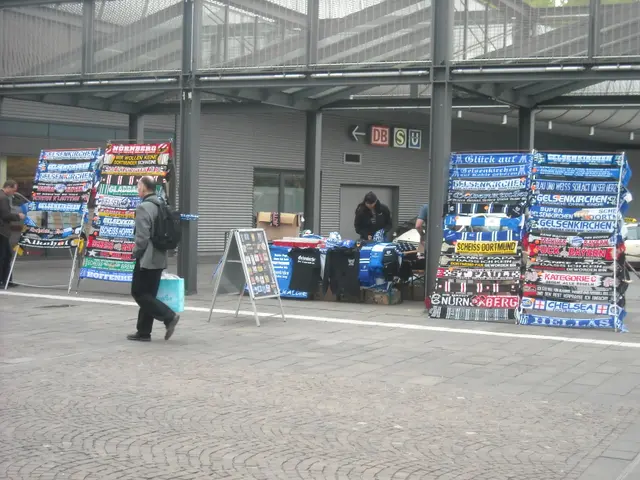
column 12, row 285
column 171, row 326
column 139, row 338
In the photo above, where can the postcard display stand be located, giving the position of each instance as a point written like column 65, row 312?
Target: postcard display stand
column 248, row 266
column 62, row 185
column 575, row 268
column 110, row 244
column 480, row 272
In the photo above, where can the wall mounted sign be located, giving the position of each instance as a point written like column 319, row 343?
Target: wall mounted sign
column 385, row 136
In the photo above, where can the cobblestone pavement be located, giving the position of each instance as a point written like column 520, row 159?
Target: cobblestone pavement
column 305, row 400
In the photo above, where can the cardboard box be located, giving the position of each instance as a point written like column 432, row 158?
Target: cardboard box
column 289, row 225
column 392, row 297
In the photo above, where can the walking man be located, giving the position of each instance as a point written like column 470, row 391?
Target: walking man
column 150, row 262
column 9, row 188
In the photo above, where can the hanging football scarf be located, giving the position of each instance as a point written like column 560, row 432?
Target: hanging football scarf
column 43, row 232
column 480, row 301
column 490, row 172
column 472, row 274
column 155, row 170
column 568, row 200
column 528, row 319
column 45, row 166
column 110, row 212
column 119, row 180
column 569, row 307
column 63, row 188
column 77, row 155
column 581, row 240
column 56, row 177
column 48, row 243
column 464, row 221
column 116, row 232
column 596, row 160
column 93, row 274
column 114, row 222
column 538, row 211
column 110, row 255
column 489, row 185
column 486, row 248
column 473, row 314
column 109, row 264
column 575, row 266
column 488, row 197
column 119, row 202
column 511, row 210
column 453, row 286
column 576, row 187
column 578, row 253
column 57, row 207
column 542, row 290
column 573, row 225
column 60, row 198
column 110, row 245
column 451, row 236
column 491, row 159
column 572, row 172
column 118, row 190
column 471, row 261
column 569, row 279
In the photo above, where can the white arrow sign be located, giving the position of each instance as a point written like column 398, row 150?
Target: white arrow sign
column 355, row 133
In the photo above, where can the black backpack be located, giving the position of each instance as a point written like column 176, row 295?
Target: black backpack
column 166, row 228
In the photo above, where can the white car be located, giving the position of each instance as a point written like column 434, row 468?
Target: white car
column 632, row 244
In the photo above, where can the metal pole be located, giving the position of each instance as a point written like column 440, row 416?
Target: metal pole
column 526, row 129
column 313, row 165
column 313, row 24
column 440, row 132
column 465, row 32
column 594, row 29
column 73, row 269
column 136, row 129
column 88, row 33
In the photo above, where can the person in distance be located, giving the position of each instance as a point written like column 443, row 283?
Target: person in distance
column 371, row 217
column 9, row 188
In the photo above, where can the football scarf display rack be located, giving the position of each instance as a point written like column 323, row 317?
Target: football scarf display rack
column 62, row 185
column 574, row 248
column 480, row 273
column 110, row 244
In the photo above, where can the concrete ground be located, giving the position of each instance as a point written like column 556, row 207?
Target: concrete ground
column 337, row 391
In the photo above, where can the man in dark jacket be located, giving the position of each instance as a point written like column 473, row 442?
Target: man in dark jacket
column 150, row 262
column 9, row 188
column 372, row 216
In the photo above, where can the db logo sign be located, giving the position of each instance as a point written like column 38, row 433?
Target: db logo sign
column 379, row 136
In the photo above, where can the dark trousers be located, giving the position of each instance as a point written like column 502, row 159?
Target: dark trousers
column 144, row 288
column 6, row 255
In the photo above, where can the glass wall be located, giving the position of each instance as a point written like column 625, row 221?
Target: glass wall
column 278, row 191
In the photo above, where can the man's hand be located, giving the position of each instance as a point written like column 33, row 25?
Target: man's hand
column 21, row 215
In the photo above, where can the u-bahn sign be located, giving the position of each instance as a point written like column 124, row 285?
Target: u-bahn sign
column 386, row 136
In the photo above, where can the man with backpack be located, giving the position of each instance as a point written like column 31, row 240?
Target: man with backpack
column 155, row 234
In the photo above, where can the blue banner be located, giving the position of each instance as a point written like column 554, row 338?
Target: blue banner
column 573, row 225
column 116, row 232
column 58, row 177
column 491, row 185
column 104, row 275
column 570, row 307
column 568, row 200
column 577, row 187
column 590, row 173
column 451, row 236
column 463, row 221
column 537, row 212
column 510, row 209
column 491, row 172
column 115, row 222
column 283, row 268
column 543, row 320
column 44, row 166
column 579, row 159
column 491, row 159
column 123, row 203
column 58, row 155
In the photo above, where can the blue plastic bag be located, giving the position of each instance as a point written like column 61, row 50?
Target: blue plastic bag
column 171, row 292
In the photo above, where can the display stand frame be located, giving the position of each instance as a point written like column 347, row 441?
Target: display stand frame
column 235, row 240
column 77, row 244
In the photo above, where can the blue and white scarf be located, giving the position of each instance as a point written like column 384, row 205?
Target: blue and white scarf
column 510, row 184
column 576, row 226
column 579, row 159
column 491, row 172
column 538, row 211
column 491, row 159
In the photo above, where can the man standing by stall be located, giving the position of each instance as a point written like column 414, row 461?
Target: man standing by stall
column 421, row 222
column 9, row 188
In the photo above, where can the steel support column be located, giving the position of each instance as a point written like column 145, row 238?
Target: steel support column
column 313, row 21
column 313, row 164
column 136, row 129
column 594, row 29
column 190, row 104
column 88, row 32
column 440, row 131
column 526, row 128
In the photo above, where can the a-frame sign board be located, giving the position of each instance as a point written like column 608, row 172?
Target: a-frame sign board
column 248, row 266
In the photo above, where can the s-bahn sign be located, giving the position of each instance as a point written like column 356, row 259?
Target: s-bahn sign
column 386, row 136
